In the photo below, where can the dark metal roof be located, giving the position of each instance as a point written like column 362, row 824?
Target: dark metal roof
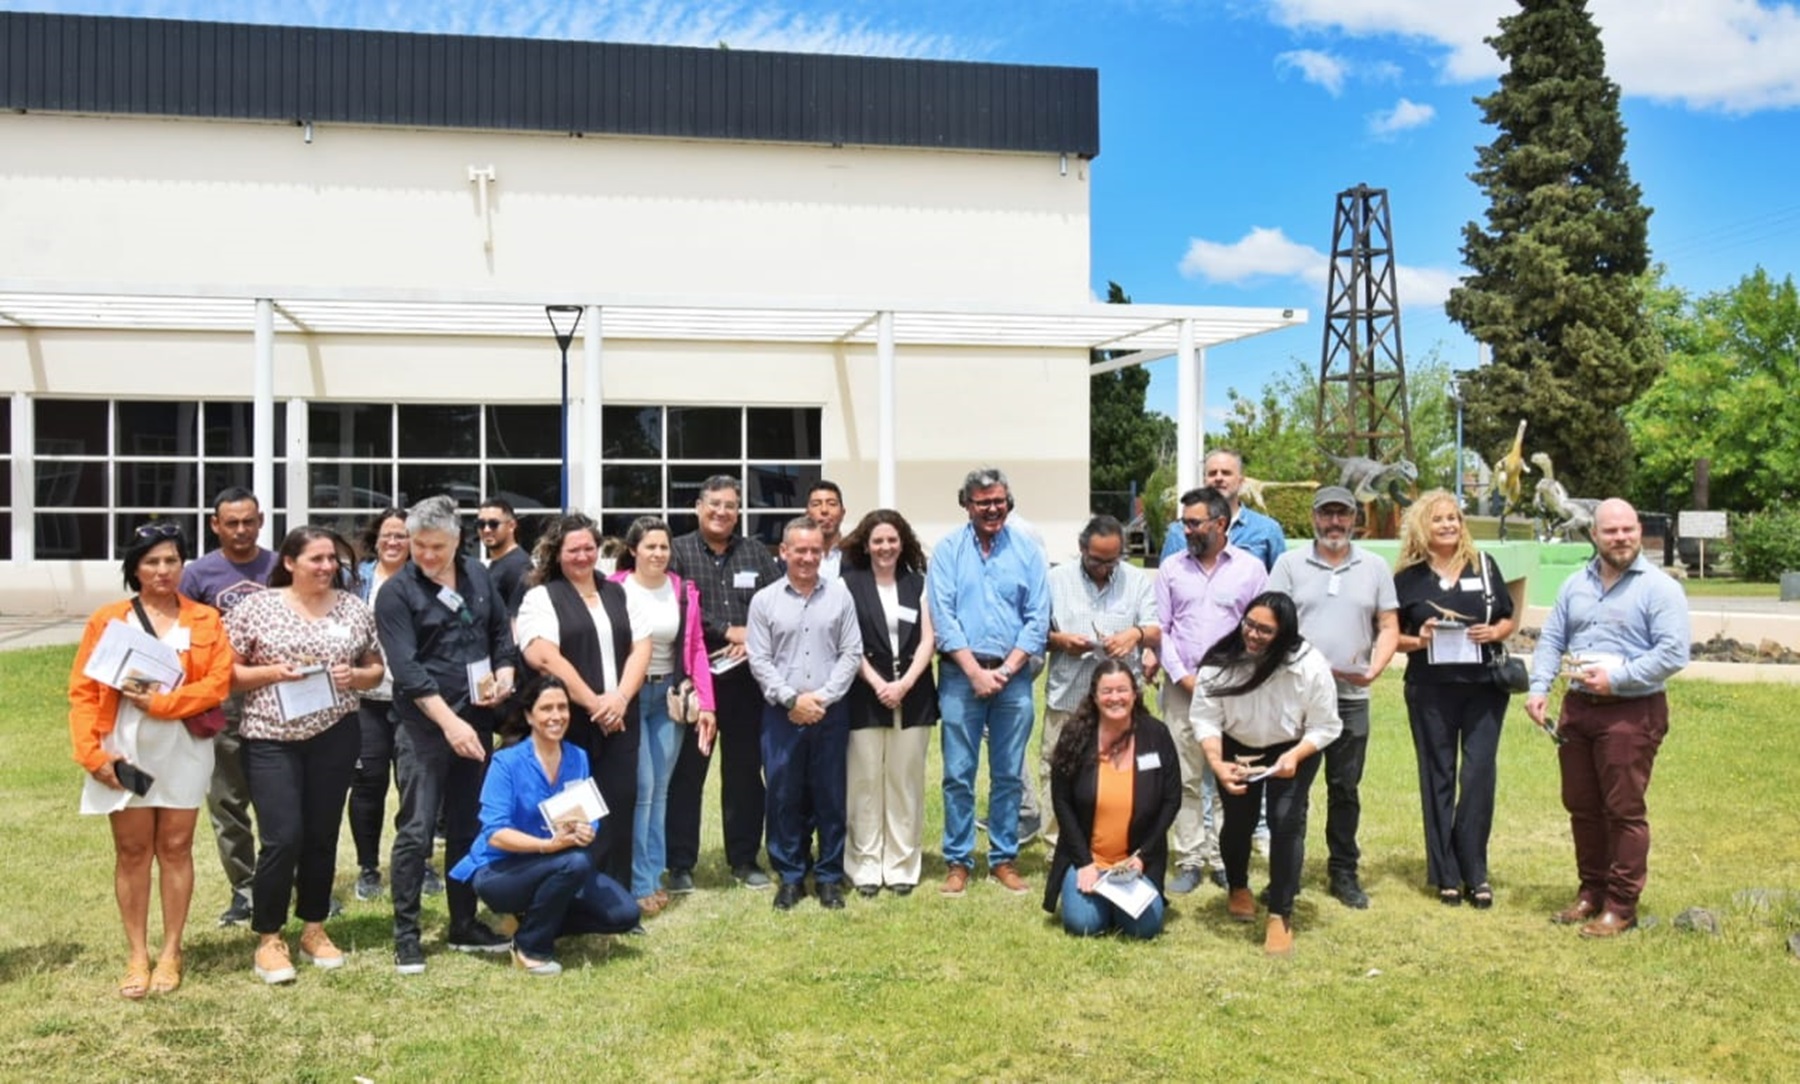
column 101, row 64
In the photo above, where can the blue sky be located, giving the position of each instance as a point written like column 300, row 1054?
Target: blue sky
column 1229, row 126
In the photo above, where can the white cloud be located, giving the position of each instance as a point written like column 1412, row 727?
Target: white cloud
column 1732, row 55
column 1320, row 69
column 1269, row 253
column 1406, row 114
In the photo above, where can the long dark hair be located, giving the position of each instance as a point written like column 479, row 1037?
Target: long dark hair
column 1230, row 653
column 855, row 545
column 1083, row 728
column 516, row 727
column 634, row 534
column 296, row 542
column 370, row 538
column 545, row 566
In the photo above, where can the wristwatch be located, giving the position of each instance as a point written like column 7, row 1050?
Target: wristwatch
column 1005, row 671
column 788, row 702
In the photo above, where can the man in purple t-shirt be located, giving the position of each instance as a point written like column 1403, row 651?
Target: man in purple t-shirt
column 223, row 578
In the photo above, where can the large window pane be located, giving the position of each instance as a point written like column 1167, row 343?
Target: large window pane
column 218, row 476
column 5, row 483
column 5, row 428
column 534, row 486
column 631, row 487
column 5, row 536
column 72, row 536
column 783, row 432
column 524, row 432
column 685, row 480
column 705, row 432
column 461, row 481
column 766, row 527
column 229, row 431
column 157, row 485
column 349, row 430
column 70, row 426
column 783, row 485
column 351, row 485
column 157, row 428
column 71, row 485
column 628, row 432
column 439, row 431
column 126, row 523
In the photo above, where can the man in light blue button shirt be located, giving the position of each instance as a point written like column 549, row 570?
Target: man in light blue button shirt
column 990, row 603
column 1623, row 626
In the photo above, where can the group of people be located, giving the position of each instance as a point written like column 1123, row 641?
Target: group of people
column 813, row 678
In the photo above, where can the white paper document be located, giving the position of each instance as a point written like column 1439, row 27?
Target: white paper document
column 579, row 800
column 1450, row 645
column 723, row 662
column 126, row 654
column 483, row 685
column 1131, row 896
column 311, row 694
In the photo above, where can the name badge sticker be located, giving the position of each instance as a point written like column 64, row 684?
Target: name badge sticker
column 1147, row 761
column 907, row 614
column 1337, row 581
column 180, row 638
column 1470, row 583
column 744, row 580
column 451, row 600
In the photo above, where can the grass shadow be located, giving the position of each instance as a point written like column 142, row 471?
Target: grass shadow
column 18, row 961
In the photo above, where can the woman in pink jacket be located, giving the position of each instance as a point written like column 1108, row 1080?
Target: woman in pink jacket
column 677, row 651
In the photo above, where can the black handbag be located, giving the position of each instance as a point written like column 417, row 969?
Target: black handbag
column 1505, row 670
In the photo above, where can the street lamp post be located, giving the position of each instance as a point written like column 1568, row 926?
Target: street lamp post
column 1461, row 468
column 559, row 315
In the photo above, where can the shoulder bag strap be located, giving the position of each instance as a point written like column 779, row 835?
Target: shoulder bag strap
column 138, row 605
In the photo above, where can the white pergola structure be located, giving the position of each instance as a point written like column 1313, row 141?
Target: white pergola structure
column 1142, row 332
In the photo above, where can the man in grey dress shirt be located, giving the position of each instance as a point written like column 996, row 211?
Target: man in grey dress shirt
column 805, row 646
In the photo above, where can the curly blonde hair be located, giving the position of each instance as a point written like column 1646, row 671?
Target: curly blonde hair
column 1415, row 532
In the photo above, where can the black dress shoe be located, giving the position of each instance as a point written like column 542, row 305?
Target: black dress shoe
column 789, row 894
column 1348, row 892
column 831, row 896
column 901, row 890
column 1218, row 877
column 867, row 892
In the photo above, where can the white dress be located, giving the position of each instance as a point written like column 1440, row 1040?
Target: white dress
column 181, row 764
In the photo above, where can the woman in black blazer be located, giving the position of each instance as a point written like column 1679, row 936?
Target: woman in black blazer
column 893, row 705
column 1116, row 786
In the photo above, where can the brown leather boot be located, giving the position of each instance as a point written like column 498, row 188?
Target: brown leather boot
column 1241, row 905
column 1279, row 941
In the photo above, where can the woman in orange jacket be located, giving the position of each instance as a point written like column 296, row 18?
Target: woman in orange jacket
column 141, row 728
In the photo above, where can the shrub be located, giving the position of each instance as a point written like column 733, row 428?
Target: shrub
column 1765, row 544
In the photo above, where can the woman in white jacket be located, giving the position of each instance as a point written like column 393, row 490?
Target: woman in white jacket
column 1265, row 704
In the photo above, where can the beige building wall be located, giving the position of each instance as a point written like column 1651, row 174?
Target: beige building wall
column 163, row 202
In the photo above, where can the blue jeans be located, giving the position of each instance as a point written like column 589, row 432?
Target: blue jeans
column 554, row 895
column 807, row 771
column 1006, row 717
column 1090, row 915
column 657, row 749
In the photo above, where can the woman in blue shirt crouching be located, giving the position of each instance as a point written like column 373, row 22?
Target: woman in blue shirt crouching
column 522, row 866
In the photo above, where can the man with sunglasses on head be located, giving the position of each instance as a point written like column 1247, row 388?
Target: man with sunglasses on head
column 990, row 603
column 222, row 578
column 1201, row 593
column 1351, row 614
column 507, row 562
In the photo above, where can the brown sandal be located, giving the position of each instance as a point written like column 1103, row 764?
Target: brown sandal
column 136, row 982
column 166, row 979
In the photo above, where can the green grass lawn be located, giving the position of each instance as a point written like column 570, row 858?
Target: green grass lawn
column 986, row 987
column 1712, row 587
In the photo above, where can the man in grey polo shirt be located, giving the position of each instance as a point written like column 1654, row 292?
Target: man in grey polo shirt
column 1101, row 606
column 1348, row 611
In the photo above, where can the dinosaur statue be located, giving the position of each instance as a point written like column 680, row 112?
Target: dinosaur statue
column 1369, row 479
column 1509, row 478
column 1570, row 517
column 1252, row 489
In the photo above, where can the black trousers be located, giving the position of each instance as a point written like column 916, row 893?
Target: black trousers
column 613, row 758
column 742, row 804
column 369, row 786
column 1287, row 806
column 1457, row 801
column 1344, row 759
column 297, row 789
column 228, row 802
column 433, row 779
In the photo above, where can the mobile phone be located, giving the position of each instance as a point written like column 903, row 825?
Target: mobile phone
column 135, row 779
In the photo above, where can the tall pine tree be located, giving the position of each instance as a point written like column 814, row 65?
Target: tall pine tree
column 1556, row 287
column 1123, row 437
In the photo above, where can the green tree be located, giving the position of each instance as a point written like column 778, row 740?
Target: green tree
column 1125, row 441
column 1733, row 375
column 1555, row 287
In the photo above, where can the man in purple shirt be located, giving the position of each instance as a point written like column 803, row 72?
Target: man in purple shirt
column 1201, row 595
column 221, row 579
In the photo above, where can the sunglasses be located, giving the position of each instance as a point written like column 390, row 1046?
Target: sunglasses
column 164, row 529
column 490, row 524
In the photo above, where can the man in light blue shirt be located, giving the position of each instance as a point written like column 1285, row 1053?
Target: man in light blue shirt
column 990, row 603
column 1623, row 627
column 1250, row 531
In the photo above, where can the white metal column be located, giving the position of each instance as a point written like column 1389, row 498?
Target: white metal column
column 588, row 467
column 885, row 412
column 1189, row 388
column 24, row 491
column 262, row 417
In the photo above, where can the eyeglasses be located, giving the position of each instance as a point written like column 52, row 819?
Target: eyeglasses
column 1258, row 628
column 991, row 502
column 720, row 506
column 400, row 537
column 163, row 529
column 1101, row 562
column 1196, row 524
column 490, row 524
